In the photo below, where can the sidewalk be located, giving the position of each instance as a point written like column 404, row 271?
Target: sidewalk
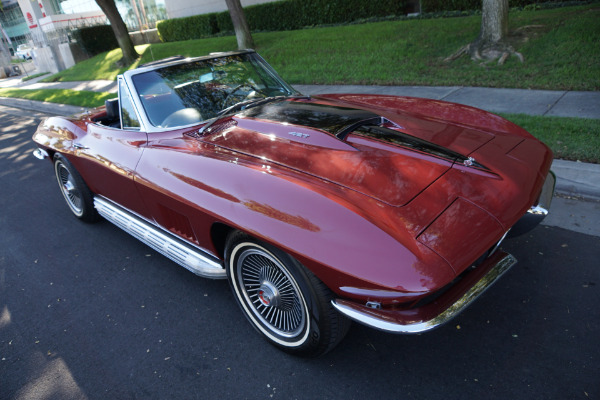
column 573, row 178
column 514, row 101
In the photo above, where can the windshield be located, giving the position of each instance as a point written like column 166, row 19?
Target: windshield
column 185, row 94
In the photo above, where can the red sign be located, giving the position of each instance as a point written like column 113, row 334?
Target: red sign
column 30, row 18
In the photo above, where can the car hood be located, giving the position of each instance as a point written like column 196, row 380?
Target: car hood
column 333, row 141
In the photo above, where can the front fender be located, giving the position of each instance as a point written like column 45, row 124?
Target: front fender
column 330, row 229
column 57, row 134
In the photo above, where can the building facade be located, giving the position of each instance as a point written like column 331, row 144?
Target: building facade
column 46, row 24
column 14, row 28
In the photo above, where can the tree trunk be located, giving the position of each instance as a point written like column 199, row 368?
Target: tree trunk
column 492, row 43
column 118, row 26
column 242, row 30
column 494, row 21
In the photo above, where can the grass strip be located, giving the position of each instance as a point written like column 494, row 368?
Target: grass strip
column 80, row 98
column 560, row 47
column 575, row 139
column 30, row 77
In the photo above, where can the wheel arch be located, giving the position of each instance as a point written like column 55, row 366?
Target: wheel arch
column 219, row 232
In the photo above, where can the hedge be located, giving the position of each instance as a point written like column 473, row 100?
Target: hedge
column 195, row 27
column 279, row 16
column 96, row 39
column 296, row 14
column 465, row 5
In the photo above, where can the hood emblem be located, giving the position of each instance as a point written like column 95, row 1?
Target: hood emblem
column 300, row 135
column 469, row 162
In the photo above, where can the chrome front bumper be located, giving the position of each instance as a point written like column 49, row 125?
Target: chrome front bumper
column 538, row 211
column 459, row 296
column 437, row 313
column 40, row 154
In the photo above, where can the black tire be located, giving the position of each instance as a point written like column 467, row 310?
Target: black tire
column 78, row 196
column 284, row 302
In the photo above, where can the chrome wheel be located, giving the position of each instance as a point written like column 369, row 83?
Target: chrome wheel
column 78, row 196
column 281, row 298
column 69, row 188
column 271, row 292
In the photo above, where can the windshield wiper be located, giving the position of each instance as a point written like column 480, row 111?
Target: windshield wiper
column 243, row 105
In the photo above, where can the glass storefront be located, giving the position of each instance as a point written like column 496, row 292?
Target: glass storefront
column 135, row 13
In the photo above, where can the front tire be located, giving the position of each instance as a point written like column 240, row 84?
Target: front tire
column 283, row 301
column 76, row 193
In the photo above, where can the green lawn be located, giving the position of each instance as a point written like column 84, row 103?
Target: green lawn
column 560, row 49
column 575, row 139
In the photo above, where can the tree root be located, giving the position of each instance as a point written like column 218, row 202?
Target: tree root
column 459, row 53
column 486, row 52
column 528, row 27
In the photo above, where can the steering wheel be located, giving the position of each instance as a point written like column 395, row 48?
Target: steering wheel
column 225, row 102
column 186, row 116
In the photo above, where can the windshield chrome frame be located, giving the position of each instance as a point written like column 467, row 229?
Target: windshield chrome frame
column 145, row 123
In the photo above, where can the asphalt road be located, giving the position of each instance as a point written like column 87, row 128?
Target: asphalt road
column 86, row 311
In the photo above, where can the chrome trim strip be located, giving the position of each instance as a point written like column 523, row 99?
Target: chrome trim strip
column 136, row 102
column 40, row 154
column 498, row 243
column 371, row 320
column 193, row 259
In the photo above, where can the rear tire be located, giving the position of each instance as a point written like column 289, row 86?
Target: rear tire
column 284, row 302
column 78, row 196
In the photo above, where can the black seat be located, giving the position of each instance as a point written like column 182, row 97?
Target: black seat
column 112, row 109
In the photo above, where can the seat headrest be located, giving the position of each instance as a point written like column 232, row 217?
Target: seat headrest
column 112, row 108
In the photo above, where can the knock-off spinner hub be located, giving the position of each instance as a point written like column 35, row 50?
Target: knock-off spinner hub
column 268, row 295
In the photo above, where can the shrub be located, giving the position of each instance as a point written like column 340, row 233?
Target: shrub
column 96, row 39
column 194, row 27
column 296, row 14
column 279, row 16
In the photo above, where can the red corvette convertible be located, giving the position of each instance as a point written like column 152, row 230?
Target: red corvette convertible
column 319, row 210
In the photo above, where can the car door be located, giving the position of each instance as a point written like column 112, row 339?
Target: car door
column 108, row 156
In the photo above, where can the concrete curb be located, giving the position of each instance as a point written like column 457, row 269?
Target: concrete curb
column 577, row 179
column 42, row 106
